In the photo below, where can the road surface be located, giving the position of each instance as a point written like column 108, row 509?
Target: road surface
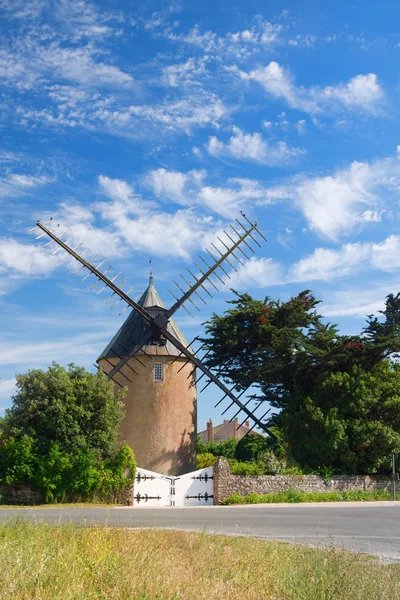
column 367, row 527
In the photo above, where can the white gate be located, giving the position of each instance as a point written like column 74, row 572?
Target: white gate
column 151, row 489
column 191, row 489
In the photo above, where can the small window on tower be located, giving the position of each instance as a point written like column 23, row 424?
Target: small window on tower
column 158, row 372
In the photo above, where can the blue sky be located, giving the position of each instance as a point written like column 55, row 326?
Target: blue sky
column 145, row 130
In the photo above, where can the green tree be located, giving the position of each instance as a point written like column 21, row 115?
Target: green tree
column 337, row 395
column 351, row 422
column 250, row 448
column 73, row 408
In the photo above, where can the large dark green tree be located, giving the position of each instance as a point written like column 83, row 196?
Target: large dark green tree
column 73, row 408
column 339, row 396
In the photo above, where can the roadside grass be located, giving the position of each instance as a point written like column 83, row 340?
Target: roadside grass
column 43, row 562
column 295, row 496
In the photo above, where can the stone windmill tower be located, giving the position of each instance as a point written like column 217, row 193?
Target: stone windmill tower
column 160, row 420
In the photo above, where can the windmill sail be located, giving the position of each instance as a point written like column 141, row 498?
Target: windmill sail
column 158, row 322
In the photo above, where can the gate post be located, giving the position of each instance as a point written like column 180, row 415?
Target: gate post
column 222, row 471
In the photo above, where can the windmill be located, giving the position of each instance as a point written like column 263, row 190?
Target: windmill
column 131, row 356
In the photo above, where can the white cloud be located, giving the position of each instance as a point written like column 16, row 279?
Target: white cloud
column 117, row 189
column 362, row 92
column 81, row 65
column 190, row 189
column 327, row 264
column 7, row 388
column 83, row 19
column 61, row 40
column 261, row 272
column 175, row 185
column 238, row 45
column 324, row 264
column 359, row 302
column 18, row 184
column 186, row 73
column 152, row 230
column 199, row 110
column 333, row 205
column 38, row 353
column 24, row 259
column 301, row 126
column 252, row 146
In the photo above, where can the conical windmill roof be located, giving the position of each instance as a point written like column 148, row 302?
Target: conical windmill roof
column 135, row 326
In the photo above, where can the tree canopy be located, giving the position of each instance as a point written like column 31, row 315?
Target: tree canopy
column 338, row 395
column 61, row 436
column 76, row 409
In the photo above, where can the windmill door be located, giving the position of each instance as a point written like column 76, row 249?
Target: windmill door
column 191, row 489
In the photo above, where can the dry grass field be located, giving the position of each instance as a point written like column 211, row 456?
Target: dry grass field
column 69, row 562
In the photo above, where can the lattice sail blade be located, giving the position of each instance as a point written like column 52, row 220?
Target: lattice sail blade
column 218, row 264
column 213, row 379
column 110, row 283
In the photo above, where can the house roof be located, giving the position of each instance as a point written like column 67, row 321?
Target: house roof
column 135, row 326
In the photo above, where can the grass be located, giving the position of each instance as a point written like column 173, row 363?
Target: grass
column 43, row 562
column 294, row 496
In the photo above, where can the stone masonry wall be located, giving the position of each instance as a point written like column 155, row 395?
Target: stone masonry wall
column 226, row 484
column 24, row 495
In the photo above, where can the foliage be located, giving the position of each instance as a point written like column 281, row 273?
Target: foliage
column 246, row 468
column 118, row 472
column 223, row 448
column 339, row 396
column 60, row 436
column 205, row 459
column 250, row 447
column 76, row 409
column 272, row 464
column 351, row 424
column 295, row 496
column 60, row 475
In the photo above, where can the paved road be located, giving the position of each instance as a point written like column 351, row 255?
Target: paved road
column 366, row 527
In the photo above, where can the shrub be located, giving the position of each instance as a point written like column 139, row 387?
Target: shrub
column 250, row 448
column 272, row 464
column 61, row 475
column 119, row 472
column 18, row 459
column 205, row 460
column 246, row 468
column 224, row 448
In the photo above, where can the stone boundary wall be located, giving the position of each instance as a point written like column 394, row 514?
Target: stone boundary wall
column 23, row 494
column 226, row 484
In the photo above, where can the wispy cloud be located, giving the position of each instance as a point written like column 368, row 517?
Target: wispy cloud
column 41, row 354
column 192, row 189
column 350, row 259
column 362, row 92
column 187, row 73
column 323, row 264
column 334, row 205
column 24, row 259
column 253, row 147
column 114, row 115
column 17, row 184
column 238, row 45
